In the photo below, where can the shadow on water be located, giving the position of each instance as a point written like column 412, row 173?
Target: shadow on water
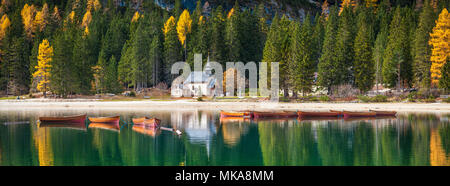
column 408, row 139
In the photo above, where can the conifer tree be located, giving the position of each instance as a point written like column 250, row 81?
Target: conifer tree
column 345, row 39
column 327, row 73
column 439, row 40
column 44, row 66
column 422, row 63
column 217, row 36
column 232, row 34
column 363, row 63
column 172, row 49
column 303, row 56
column 396, row 60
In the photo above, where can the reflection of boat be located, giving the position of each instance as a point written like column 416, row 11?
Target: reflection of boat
column 233, row 119
column 153, row 122
column 319, row 114
column 284, row 114
column 224, row 114
column 384, row 113
column 107, row 126
column 64, row 119
column 112, row 119
column 318, row 118
column 150, row 131
column 77, row 126
column 140, row 120
column 348, row 114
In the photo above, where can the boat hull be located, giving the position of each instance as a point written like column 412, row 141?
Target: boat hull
column 64, row 119
column 385, row 113
column 258, row 115
column 359, row 114
column 153, row 122
column 114, row 119
column 234, row 114
column 318, row 114
column 140, row 120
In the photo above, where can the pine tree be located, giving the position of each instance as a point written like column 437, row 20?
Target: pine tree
column 63, row 79
column 327, row 73
column 111, row 80
column 44, row 66
column 444, row 82
column 439, row 38
column 422, row 63
column 396, row 60
column 217, row 37
column 232, row 34
column 172, row 49
column 303, row 56
column 345, row 39
column 318, row 36
column 363, row 63
column 383, row 19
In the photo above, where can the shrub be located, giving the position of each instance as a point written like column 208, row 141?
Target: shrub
column 324, row 98
column 446, row 100
column 199, row 99
column 379, row 98
column 132, row 94
column 364, row 99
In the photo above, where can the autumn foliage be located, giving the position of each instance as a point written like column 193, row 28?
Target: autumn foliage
column 43, row 68
column 440, row 42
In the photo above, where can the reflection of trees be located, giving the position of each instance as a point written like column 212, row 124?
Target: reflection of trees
column 438, row 156
column 444, row 132
column 420, row 140
column 245, row 150
column 287, row 143
column 15, row 145
column 333, row 144
column 363, row 144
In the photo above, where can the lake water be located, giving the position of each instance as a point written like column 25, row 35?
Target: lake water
column 408, row 139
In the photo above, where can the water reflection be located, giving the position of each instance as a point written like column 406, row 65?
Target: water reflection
column 409, row 139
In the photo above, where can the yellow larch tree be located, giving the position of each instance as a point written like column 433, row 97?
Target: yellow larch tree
column 184, row 27
column 230, row 13
column 93, row 4
column 325, row 9
column 136, row 17
column 87, row 18
column 28, row 12
column 4, row 24
column 41, row 19
column 439, row 41
column 371, row 3
column 42, row 73
column 170, row 23
column 345, row 3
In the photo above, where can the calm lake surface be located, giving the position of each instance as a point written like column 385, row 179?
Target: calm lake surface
column 408, row 139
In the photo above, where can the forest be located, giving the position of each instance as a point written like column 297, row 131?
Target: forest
column 86, row 47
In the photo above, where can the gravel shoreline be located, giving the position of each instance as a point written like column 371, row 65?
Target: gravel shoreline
column 192, row 105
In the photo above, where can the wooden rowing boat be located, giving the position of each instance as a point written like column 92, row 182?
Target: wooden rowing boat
column 318, row 114
column 348, row 114
column 284, row 114
column 64, row 119
column 258, row 115
column 224, row 114
column 153, row 122
column 384, row 113
column 113, row 119
column 106, row 126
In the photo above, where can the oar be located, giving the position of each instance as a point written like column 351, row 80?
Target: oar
column 171, row 130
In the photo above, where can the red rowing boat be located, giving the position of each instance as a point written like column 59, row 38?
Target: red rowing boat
column 113, row 119
column 64, row 119
column 348, row 114
column 153, row 122
column 319, row 114
column 384, row 113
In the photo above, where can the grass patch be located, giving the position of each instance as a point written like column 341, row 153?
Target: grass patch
column 9, row 98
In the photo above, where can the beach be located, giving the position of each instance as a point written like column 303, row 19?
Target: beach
column 180, row 105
